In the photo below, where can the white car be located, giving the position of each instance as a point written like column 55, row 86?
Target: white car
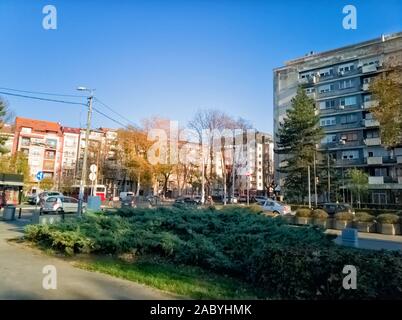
column 60, row 204
column 276, row 207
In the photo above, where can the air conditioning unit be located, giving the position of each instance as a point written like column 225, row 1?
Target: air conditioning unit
column 341, row 73
column 341, row 107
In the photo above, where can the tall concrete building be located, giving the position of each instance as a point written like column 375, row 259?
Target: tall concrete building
column 338, row 80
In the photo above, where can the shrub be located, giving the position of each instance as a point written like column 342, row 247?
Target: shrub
column 320, row 214
column 388, row 218
column 344, row 216
column 286, row 262
column 303, row 212
column 364, row 217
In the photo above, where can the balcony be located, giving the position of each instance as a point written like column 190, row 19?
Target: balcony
column 374, row 160
column 370, row 104
column 400, row 180
column 376, row 180
column 372, row 141
column 369, row 68
column 371, row 123
column 366, row 86
column 399, row 159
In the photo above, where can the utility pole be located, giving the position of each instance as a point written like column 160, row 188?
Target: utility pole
column 233, row 172
column 84, row 162
column 315, row 181
column 203, row 177
column 329, row 180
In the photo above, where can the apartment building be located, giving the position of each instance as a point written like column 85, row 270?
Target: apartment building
column 339, row 81
column 42, row 142
column 253, row 162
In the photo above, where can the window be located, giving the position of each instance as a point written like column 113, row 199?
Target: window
column 348, row 101
column 350, row 154
column 50, row 154
column 372, row 134
column 25, row 141
column 345, row 84
column 371, row 154
column 326, row 72
column 52, row 143
column 350, row 118
column 26, row 130
column 351, row 136
column 327, row 121
column 328, row 104
column 346, row 67
column 329, row 138
column 326, row 88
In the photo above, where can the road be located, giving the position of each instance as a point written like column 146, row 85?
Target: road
column 21, row 275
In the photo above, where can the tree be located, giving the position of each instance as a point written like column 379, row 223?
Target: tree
column 3, row 109
column 164, row 171
column 46, row 184
column 17, row 163
column 298, row 136
column 358, row 183
column 387, row 90
column 133, row 146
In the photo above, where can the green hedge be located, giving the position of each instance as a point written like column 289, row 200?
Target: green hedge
column 285, row 261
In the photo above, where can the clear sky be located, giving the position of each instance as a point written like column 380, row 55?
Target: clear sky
column 170, row 58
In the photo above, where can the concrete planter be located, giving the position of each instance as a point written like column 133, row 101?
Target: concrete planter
column 323, row 223
column 303, row 220
column 288, row 218
column 365, row 226
column 389, row 229
column 342, row 224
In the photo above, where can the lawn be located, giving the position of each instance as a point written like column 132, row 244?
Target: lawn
column 184, row 281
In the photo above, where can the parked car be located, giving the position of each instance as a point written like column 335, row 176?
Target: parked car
column 60, row 204
column 33, row 198
column 125, row 194
column 44, row 195
column 332, row 207
column 128, row 202
column 276, row 207
column 187, row 200
column 260, row 199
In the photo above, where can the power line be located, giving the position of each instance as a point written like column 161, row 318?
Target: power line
column 110, row 118
column 43, row 99
column 68, row 102
column 115, row 112
column 44, row 93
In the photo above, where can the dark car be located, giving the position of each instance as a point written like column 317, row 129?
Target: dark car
column 332, row 208
column 128, row 202
column 187, row 200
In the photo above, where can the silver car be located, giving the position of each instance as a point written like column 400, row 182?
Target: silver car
column 276, row 207
column 60, row 204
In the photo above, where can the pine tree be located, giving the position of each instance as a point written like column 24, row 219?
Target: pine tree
column 297, row 138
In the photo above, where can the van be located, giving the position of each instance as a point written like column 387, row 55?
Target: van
column 125, row 194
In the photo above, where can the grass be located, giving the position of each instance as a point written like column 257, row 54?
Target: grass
column 189, row 282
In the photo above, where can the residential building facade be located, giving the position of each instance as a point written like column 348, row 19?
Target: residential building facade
column 339, row 82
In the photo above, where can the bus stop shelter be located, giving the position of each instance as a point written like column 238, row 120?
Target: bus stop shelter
column 11, row 186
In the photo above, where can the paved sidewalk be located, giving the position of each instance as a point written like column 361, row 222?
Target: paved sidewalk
column 21, row 275
column 374, row 241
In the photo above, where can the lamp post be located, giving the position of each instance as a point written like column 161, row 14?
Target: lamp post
column 343, row 142
column 84, row 162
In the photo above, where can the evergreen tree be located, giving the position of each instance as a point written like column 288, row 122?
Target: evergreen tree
column 297, row 139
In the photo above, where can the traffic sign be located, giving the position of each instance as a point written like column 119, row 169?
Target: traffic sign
column 92, row 176
column 93, row 168
column 39, row 176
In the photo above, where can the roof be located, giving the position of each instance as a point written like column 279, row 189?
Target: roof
column 71, row 130
column 327, row 53
column 37, row 125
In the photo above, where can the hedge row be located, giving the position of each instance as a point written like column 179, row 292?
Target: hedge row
column 287, row 262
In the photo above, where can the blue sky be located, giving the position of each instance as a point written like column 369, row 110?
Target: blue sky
column 171, row 58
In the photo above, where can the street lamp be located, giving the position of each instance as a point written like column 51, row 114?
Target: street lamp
column 84, row 162
column 343, row 142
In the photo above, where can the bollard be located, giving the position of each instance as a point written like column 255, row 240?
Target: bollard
column 19, row 213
